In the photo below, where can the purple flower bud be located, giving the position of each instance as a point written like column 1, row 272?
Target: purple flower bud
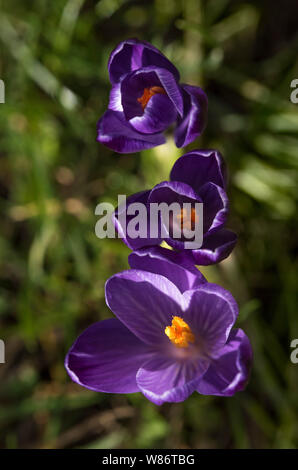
column 146, row 98
column 196, row 177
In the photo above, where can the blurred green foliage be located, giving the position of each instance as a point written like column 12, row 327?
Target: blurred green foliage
column 53, row 174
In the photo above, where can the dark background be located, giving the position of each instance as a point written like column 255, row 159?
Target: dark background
column 53, row 173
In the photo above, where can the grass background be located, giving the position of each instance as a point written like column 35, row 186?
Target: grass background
column 53, row 174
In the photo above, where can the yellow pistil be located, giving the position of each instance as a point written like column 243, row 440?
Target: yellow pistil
column 188, row 220
column 180, row 333
column 148, row 93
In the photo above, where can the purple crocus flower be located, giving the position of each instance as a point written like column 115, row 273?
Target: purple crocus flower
column 146, row 98
column 197, row 176
column 170, row 338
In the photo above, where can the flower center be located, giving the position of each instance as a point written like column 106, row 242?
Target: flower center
column 179, row 333
column 148, row 93
column 188, row 218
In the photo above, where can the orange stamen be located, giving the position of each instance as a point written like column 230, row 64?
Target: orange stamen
column 187, row 220
column 179, row 333
column 148, row 93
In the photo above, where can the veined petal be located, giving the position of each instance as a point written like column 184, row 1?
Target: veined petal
column 145, row 303
column 211, row 313
column 177, row 267
column 157, row 116
column 230, row 372
column 198, row 167
column 116, row 133
column 122, row 219
column 216, row 206
column 132, row 54
column 173, row 191
column 216, row 247
column 126, row 56
column 106, row 358
column 163, row 379
column 194, row 119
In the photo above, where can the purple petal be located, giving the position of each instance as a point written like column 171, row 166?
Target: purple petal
column 216, row 205
column 199, row 167
column 177, row 267
column 211, row 313
column 172, row 89
column 122, row 223
column 106, row 358
column 152, row 56
column 115, row 103
column 194, row 119
column 118, row 135
column 126, row 56
column 132, row 54
column 173, row 191
column 145, row 303
column 134, row 84
column 215, row 248
column 229, row 373
column 163, row 379
column 169, row 192
column 158, row 115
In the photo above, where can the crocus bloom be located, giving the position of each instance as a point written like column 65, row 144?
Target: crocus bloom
column 197, row 176
column 146, row 98
column 166, row 342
